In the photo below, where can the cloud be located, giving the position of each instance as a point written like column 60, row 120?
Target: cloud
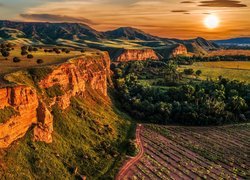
column 222, row 3
column 187, row 2
column 56, row 18
column 179, row 11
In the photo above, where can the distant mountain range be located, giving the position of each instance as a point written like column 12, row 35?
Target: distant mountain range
column 81, row 35
column 242, row 41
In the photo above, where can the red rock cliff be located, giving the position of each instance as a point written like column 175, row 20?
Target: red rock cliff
column 179, row 49
column 24, row 100
column 135, row 55
column 73, row 77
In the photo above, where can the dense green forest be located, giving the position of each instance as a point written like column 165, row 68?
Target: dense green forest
column 176, row 100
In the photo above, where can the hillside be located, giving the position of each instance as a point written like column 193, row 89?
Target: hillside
column 59, row 122
column 47, row 33
column 80, row 35
column 199, row 46
column 130, row 33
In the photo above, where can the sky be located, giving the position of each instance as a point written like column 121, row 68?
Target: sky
column 165, row 18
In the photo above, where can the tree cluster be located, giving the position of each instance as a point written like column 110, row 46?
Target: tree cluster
column 5, row 49
column 198, row 103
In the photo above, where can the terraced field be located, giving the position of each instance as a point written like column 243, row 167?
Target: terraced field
column 193, row 153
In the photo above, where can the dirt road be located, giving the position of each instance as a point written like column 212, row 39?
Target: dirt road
column 124, row 170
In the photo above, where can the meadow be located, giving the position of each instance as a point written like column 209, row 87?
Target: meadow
column 7, row 65
column 233, row 70
column 230, row 52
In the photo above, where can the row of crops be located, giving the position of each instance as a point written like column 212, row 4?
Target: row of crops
column 193, row 153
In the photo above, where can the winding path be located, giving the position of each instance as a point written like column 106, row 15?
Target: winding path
column 124, row 170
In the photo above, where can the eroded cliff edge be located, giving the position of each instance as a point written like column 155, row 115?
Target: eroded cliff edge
column 32, row 99
column 124, row 55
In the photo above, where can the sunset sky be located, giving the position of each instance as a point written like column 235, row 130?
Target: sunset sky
column 165, row 18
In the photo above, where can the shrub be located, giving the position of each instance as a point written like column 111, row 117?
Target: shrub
column 30, row 56
column 38, row 74
column 30, row 49
column 24, row 53
column 6, row 114
column 189, row 71
column 5, row 53
column 39, row 61
column 16, row 59
column 24, row 48
column 198, row 72
column 54, row 91
column 132, row 148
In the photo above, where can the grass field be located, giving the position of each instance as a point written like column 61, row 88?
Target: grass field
column 212, row 70
column 193, row 153
column 127, row 44
column 229, row 52
column 8, row 65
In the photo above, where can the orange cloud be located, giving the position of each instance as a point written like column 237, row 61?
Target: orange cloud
column 56, row 18
column 222, row 3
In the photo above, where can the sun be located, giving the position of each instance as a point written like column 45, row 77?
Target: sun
column 211, row 21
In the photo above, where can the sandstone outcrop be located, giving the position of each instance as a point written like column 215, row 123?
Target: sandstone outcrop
column 24, row 100
column 179, row 49
column 44, row 128
column 135, row 55
column 74, row 77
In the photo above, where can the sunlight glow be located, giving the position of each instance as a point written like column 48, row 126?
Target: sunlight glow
column 211, row 21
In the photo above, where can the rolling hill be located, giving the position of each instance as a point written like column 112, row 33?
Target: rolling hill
column 81, row 35
column 130, row 33
column 47, row 33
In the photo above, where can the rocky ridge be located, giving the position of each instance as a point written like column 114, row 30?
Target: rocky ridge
column 124, row 55
column 34, row 107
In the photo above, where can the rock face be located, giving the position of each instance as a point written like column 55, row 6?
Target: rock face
column 179, row 49
column 73, row 77
column 24, row 100
column 135, row 55
column 44, row 128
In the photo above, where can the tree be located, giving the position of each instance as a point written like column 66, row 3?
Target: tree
column 5, row 53
column 39, row 61
column 30, row 56
column 189, row 71
column 30, row 49
column 237, row 104
column 24, row 48
column 16, row 59
column 67, row 51
column 198, row 72
column 24, row 53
